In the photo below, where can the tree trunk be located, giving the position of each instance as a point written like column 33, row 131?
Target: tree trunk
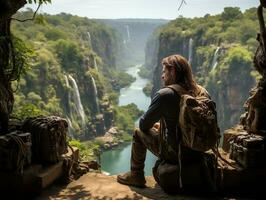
column 7, row 9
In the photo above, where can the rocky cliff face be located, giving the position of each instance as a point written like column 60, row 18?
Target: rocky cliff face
column 134, row 34
column 221, row 60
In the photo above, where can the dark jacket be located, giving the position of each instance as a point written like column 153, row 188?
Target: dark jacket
column 164, row 105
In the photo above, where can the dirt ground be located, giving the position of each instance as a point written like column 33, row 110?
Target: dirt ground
column 102, row 187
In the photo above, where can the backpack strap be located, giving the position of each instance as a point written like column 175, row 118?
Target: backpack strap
column 181, row 91
column 203, row 92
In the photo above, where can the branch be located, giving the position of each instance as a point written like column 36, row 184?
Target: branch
column 24, row 20
column 181, row 4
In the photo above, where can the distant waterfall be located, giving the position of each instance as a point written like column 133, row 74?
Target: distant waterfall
column 95, row 94
column 95, row 63
column 128, row 33
column 89, row 38
column 215, row 58
column 77, row 100
column 190, row 47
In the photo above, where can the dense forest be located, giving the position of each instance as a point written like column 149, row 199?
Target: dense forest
column 220, row 49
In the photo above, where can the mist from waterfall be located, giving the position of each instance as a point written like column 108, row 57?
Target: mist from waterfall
column 95, row 94
column 78, row 104
column 190, row 48
column 215, row 58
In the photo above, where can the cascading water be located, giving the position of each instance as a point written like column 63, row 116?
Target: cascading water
column 190, row 47
column 95, row 63
column 128, row 33
column 68, row 94
column 89, row 38
column 78, row 104
column 95, row 94
column 215, row 58
column 70, row 129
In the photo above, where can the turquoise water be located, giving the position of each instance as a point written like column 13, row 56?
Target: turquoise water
column 117, row 160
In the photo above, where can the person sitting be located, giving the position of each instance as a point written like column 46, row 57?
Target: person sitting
column 164, row 107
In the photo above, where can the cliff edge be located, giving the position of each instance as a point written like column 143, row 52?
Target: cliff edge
column 100, row 186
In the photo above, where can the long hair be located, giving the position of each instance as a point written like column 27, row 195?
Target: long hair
column 184, row 76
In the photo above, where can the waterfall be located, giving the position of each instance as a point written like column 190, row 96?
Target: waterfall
column 128, row 33
column 190, row 53
column 215, row 57
column 89, row 38
column 70, row 128
column 77, row 100
column 68, row 94
column 67, row 83
column 95, row 63
column 95, row 94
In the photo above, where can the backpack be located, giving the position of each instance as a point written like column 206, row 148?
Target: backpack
column 197, row 120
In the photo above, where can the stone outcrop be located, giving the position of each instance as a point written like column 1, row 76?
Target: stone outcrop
column 110, row 139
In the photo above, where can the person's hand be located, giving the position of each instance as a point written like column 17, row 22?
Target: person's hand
column 157, row 126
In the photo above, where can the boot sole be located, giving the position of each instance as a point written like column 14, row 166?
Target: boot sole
column 122, row 181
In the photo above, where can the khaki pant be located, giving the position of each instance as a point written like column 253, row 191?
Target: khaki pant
column 151, row 140
column 141, row 142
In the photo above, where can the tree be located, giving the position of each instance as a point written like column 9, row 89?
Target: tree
column 11, row 60
column 230, row 13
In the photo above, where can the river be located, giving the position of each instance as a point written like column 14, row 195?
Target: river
column 117, row 160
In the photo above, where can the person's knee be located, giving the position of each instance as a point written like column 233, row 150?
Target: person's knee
column 136, row 133
column 136, row 130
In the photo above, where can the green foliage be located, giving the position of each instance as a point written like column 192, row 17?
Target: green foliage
column 145, row 72
column 34, row 98
column 113, row 98
column 126, row 137
column 69, row 54
column 29, row 110
column 53, row 106
column 78, row 144
column 238, row 56
column 125, row 116
column 38, row 1
column 121, row 79
column 256, row 75
column 231, row 13
column 147, row 89
column 86, row 150
column 19, row 62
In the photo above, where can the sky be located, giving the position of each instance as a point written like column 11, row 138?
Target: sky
column 156, row 9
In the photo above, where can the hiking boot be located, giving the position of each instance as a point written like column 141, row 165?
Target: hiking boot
column 133, row 179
